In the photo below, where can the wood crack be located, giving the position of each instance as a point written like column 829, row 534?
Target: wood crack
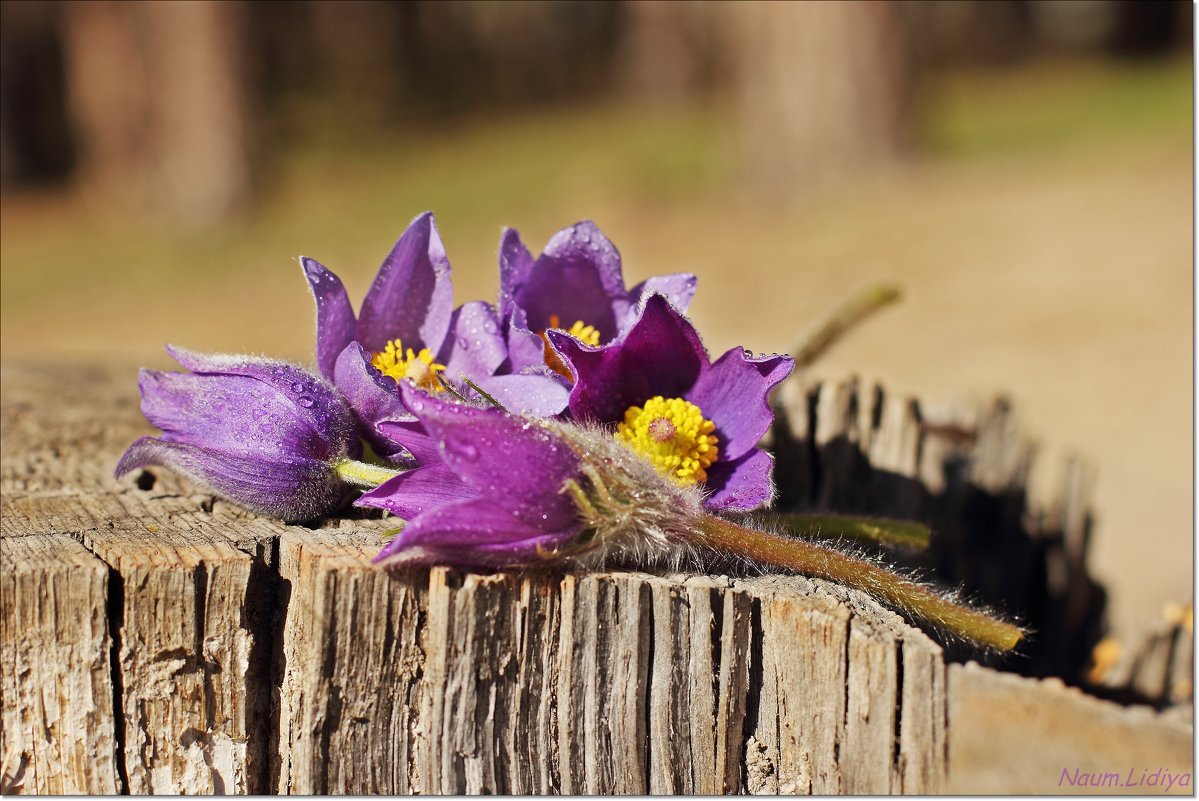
column 114, row 606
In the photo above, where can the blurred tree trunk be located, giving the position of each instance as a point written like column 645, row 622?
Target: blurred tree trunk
column 821, row 90
column 355, row 44
column 158, row 101
column 660, row 59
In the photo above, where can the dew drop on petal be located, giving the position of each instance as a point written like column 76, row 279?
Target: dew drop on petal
column 462, row 449
column 306, row 402
column 463, row 343
column 297, row 387
column 489, row 326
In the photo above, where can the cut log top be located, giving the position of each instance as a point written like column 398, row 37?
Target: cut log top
column 158, row 640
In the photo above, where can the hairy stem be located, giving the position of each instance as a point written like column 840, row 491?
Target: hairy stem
column 901, row 533
column 819, row 561
column 853, row 312
column 364, row 474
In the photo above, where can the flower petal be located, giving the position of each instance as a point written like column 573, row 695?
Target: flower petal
column 289, row 487
column 661, row 354
column 515, row 265
column 577, row 278
column 309, row 397
column 741, row 484
column 335, row 321
column 232, row 413
column 678, row 288
column 475, row 347
column 510, row 461
column 374, row 397
column 416, row 491
column 733, row 393
column 526, row 349
column 411, row 298
column 537, row 394
column 475, row 533
column 409, row 434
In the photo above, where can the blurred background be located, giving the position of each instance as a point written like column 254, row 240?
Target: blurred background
column 1022, row 169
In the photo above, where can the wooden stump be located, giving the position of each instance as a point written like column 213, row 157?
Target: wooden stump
column 156, row 640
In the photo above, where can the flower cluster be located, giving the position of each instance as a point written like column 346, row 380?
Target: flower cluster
column 573, row 420
column 566, row 344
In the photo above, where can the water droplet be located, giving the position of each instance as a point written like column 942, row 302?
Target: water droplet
column 297, row 387
column 463, row 342
column 306, row 402
column 595, row 247
column 418, row 405
column 489, row 326
column 464, row 450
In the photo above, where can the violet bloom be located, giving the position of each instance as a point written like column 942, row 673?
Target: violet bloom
column 697, row 421
column 491, row 493
column 576, row 285
column 264, row 434
column 407, row 330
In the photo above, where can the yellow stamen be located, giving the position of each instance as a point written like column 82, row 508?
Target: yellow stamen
column 419, row 368
column 674, row 435
column 587, row 334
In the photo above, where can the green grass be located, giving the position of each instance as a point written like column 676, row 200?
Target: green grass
column 342, row 199
column 535, row 166
column 1053, row 106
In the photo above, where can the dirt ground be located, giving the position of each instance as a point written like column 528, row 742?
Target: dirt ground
column 1061, row 276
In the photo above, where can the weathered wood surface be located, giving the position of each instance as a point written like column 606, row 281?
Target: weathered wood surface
column 156, row 640
column 964, row 469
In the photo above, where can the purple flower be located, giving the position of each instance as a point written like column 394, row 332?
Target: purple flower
column 491, row 493
column 577, row 285
column 407, row 330
column 264, row 434
column 697, row 421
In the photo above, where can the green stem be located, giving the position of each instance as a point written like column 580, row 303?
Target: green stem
column 900, row 533
column 819, row 561
column 853, row 312
column 364, row 474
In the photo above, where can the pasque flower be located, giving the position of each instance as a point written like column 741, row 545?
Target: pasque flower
column 504, row 491
column 408, row 331
column 576, row 285
column 264, row 434
column 491, row 493
column 500, row 490
column 698, row 421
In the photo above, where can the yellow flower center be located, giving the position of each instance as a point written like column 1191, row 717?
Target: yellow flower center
column 419, row 368
column 674, row 435
column 587, row 334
